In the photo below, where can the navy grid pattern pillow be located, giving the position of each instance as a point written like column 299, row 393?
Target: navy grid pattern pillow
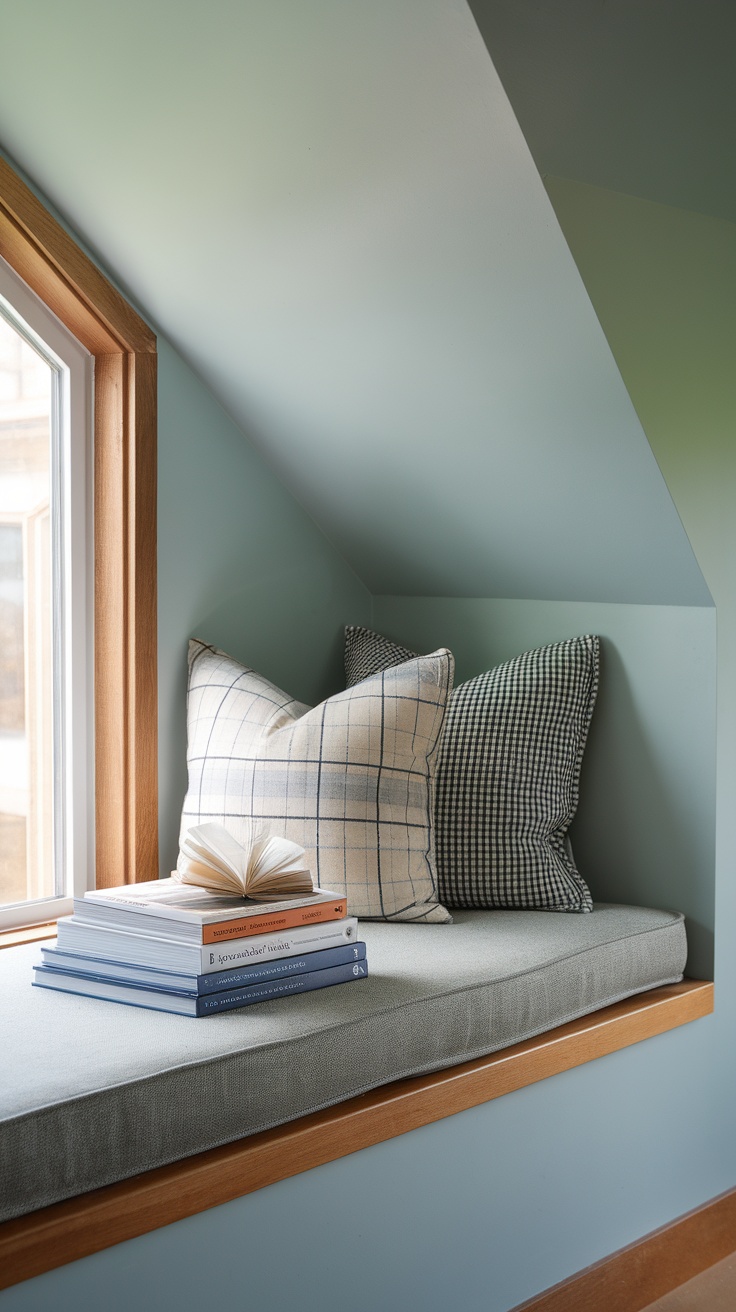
column 508, row 775
column 351, row 780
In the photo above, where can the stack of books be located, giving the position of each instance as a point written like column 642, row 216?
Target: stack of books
column 175, row 947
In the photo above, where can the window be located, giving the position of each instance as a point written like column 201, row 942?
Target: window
column 45, row 756
column 123, row 690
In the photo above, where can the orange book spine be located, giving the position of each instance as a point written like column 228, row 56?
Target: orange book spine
column 271, row 922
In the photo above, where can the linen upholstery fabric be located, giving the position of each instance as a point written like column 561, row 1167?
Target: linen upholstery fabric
column 78, row 1111
column 508, row 773
column 349, row 780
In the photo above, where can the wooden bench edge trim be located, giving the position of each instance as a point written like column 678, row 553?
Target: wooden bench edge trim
column 644, row 1271
column 66, row 1231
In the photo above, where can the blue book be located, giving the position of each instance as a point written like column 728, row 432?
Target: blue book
column 189, row 1004
column 258, row 972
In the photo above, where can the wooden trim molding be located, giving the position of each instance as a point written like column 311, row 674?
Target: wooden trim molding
column 67, row 1231
column 13, row 938
column 635, row 1276
column 124, row 350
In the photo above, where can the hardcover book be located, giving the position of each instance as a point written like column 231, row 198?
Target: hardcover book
column 195, row 915
column 164, row 953
column 259, row 972
column 189, row 1004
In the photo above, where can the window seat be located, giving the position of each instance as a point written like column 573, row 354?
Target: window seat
column 94, row 1093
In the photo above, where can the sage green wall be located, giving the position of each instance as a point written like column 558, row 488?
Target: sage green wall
column 663, row 282
column 645, row 828
column 240, row 565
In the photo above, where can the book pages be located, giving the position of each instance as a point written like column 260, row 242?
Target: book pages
column 266, row 867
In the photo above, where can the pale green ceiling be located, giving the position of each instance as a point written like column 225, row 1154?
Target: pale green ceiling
column 330, row 209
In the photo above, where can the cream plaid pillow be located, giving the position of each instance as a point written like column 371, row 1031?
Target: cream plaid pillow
column 351, row 780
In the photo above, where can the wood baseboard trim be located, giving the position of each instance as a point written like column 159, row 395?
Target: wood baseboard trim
column 80, row 1226
column 635, row 1276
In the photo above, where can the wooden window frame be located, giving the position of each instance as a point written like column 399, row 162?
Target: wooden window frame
column 125, row 614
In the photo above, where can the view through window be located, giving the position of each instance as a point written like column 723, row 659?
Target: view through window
column 45, row 719
column 26, row 654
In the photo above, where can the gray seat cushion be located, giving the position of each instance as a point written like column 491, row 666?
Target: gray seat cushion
column 92, row 1092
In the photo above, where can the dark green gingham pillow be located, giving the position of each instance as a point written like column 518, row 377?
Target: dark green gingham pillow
column 508, row 770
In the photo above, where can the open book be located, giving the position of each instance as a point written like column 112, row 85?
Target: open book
column 266, row 868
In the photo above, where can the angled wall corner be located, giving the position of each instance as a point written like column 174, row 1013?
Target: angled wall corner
column 382, row 299
column 663, row 284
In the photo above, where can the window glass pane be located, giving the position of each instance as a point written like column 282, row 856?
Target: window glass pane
column 26, row 717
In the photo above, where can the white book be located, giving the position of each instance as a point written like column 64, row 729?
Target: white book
column 164, row 953
column 182, row 911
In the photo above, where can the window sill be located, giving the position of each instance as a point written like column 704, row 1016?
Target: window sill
column 11, row 938
column 80, row 1226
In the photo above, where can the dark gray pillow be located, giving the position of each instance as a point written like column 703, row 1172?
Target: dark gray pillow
column 508, row 771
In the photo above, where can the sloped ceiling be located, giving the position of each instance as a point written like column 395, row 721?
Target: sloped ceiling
column 638, row 98
column 329, row 208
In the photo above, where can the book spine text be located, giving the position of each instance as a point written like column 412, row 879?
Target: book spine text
column 271, row 922
column 281, row 988
column 262, row 972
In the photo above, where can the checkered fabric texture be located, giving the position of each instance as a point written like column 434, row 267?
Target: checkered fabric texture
column 507, row 777
column 368, row 653
column 351, row 780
